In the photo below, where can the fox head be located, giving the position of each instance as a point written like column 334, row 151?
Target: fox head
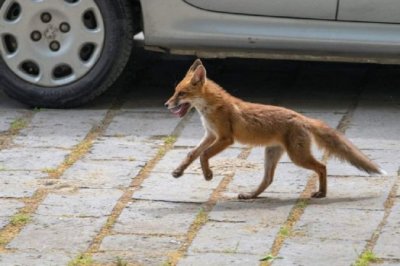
column 189, row 90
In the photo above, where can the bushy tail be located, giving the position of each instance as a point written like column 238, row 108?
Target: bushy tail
column 338, row 145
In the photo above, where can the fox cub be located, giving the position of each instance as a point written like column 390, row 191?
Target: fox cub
column 227, row 119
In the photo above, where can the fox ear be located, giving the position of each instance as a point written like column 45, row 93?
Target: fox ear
column 195, row 64
column 199, row 75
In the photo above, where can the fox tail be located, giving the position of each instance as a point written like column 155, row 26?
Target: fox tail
column 336, row 144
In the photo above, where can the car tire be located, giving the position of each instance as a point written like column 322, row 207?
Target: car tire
column 64, row 85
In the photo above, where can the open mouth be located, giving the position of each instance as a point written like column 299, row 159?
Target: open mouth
column 181, row 109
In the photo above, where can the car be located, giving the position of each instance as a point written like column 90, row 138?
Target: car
column 63, row 53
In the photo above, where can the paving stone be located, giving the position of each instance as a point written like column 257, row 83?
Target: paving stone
column 349, row 224
column 374, row 120
column 388, row 244
column 59, row 128
column 123, row 148
column 39, row 258
column 288, row 179
column 303, row 251
column 266, row 212
column 143, row 250
column 225, row 237
column 31, row 159
column 81, row 203
column 366, row 193
column 144, row 125
column 102, row 174
column 18, row 184
column 8, row 208
column 192, row 133
column 7, row 117
column 50, row 233
column 220, row 259
column 386, row 263
column 155, row 217
column 375, row 143
column 188, row 188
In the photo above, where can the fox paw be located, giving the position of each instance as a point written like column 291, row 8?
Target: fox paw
column 245, row 196
column 177, row 173
column 318, row 194
column 208, row 175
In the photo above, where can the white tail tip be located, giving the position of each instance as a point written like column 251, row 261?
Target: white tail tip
column 382, row 172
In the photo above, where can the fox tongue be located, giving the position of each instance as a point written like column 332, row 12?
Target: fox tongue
column 181, row 109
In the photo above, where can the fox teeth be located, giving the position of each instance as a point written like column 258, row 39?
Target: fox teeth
column 176, row 109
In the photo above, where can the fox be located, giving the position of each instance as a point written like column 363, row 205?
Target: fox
column 227, row 119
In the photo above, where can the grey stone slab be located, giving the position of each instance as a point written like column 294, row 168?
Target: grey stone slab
column 7, row 117
column 18, row 184
column 56, row 128
column 303, row 251
column 188, row 188
column 143, row 250
column 219, row 259
column 288, row 179
column 388, row 244
column 375, row 120
column 263, row 212
column 154, row 217
column 51, row 233
column 31, row 159
column 225, row 237
column 368, row 193
column 35, row 258
column 8, row 208
column 217, row 163
column 192, row 133
column 326, row 222
column 376, row 143
column 123, row 148
column 144, row 125
column 81, row 203
column 102, row 174
column 389, row 160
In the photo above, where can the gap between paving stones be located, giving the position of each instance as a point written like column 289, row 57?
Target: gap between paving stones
column 15, row 128
column 10, row 231
column 126, row 197
column 6, row 139
column 389, row 203
column 298, row 209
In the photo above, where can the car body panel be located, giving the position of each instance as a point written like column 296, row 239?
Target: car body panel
column 387, row 11
column 179, row 27
column 318, row 9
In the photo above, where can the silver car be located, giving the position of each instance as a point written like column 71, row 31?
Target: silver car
column 63, row 53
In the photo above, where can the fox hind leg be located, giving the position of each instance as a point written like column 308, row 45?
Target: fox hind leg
column 272, row 156
column 299, row 152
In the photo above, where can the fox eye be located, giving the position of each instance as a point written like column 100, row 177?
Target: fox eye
column 181, row 94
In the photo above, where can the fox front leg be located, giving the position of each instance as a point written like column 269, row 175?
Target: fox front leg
column 219, row 145
column 207, row 140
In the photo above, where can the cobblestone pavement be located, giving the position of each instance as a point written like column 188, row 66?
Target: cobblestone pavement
column 92, row 186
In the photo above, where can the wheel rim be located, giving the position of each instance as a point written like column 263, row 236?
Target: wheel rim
column 51, row 43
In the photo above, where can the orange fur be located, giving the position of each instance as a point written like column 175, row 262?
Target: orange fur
column 227, row 119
